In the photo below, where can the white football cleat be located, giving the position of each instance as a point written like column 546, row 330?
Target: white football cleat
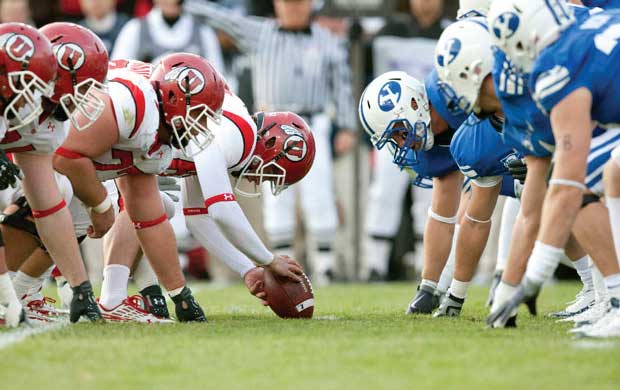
column 589, row 316
column 608, row 326
column 132, row 309
column 41, row 309
column 584, row 300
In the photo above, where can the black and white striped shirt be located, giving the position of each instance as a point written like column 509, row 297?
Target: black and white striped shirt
column 295, row 71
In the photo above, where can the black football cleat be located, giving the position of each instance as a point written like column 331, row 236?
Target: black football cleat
column 530, row 302
column 497, row 277
column 424, row 302
column 450, row 306
column 186, row 308
column 155, row 301
column 84, row 304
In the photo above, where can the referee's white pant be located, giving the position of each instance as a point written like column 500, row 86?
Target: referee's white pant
column 318, row 205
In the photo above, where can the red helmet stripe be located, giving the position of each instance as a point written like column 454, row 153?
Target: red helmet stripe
column 138, row 99
column 247, row 134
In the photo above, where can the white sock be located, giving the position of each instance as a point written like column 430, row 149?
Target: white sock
column 613, row 207
column 25, row 284
column 143, row 275
column 612, row 285
column 582, row 266
column 448, row 270
column 114, row 286
column 7, row 293
column 429, row 283
column 543, row 262
column 509, row 216
column 458, row 288
column 378, row 254
column 502, row 294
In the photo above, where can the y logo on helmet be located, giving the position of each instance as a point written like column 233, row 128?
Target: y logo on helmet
column 190, row 80
column 295, row 148
column 389, row 95
column 506, row 25
column 70, row 56
column 449, row 51
column 19, row 47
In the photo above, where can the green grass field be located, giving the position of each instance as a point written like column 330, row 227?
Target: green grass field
column 359, row 339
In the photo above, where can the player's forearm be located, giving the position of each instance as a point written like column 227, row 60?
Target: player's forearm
column 237, row 228
column 83, row 176
column 209, row 235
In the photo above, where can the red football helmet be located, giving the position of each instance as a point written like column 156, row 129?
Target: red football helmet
column 190, row 93
column 82, row 68
column 27, row 72
column 283, row 155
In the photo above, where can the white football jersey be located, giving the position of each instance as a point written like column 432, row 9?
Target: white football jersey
column 134, row 102
column 235, row 136
column 42, row 136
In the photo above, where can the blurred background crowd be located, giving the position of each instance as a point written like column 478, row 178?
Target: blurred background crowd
column 378, row 217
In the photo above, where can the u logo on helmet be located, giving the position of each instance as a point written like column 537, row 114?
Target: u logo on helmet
column 19, row 47
column 295, row 148
column 70, row 56
column 187, row 76
column 449, row 51
column 389, row 95
column 505, row 25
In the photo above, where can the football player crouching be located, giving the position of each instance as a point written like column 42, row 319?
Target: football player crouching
column 148, row 112
column 42, row 85
column 280, row 152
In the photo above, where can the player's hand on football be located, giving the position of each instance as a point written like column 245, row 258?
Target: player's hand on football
column 100, row 223
column 518, row 169
column 286, row 267
column 254, row 282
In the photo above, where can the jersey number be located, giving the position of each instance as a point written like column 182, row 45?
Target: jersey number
column 608, row 39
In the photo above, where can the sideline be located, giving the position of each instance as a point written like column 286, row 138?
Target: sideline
column 16, row 336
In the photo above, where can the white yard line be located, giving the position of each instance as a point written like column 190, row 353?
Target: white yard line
column 22, row 333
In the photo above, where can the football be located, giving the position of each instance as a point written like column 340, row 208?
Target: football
column 289, row 299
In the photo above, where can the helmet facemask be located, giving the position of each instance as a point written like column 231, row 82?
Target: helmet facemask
column 85, row 102
column 258, row 172
column 24, row 106
column 192, row 132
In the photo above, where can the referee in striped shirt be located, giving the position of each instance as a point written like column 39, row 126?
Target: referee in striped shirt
column 297, row 66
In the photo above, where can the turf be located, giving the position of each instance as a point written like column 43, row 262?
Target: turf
column 359, row 339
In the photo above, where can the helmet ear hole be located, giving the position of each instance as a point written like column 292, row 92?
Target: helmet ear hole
column 270, row 143
column 414, row 104
column 172, row 99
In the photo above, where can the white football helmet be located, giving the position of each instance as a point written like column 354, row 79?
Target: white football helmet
column 463, row 58
column 394, row 102
column 469, row 8
column 522, row 28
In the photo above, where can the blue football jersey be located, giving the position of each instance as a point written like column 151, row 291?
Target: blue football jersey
column 585, row 56
column 438, row 161
column 478, row 149
column 526, row 128
column 605, row 4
